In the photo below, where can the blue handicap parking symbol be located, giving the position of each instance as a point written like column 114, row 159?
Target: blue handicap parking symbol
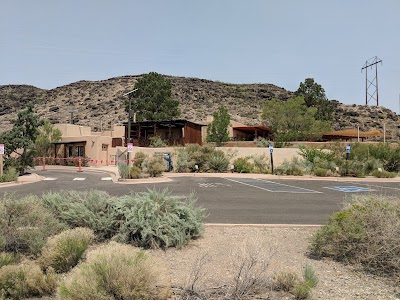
column 349, row 188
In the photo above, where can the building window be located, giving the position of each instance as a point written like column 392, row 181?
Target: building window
column 79, row 151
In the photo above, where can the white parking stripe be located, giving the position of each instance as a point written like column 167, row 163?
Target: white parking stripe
column 292, row 189
column 79, row 178
column 106, row 178
column 50, row 178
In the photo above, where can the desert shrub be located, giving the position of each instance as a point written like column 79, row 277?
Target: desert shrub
column 285, row 281
column 25, row 224
column 183, row 162
column 116, row 271
column 318, row 158
column 91, row 209
column 135, row 172
column 302, row 289
column 263, row 142
column 123, row 170
column 157, row 142
column 26, row 280
column 218, row 162
column 293, row 167
column 365, row 232
column 243, row 165
column 158, row 219
column 372, row 164
column 353, row 168
column 10, row 174
column 261, row 164
column 6, row 259
column 384, row 174
column 63, row 251
column 320, row 172
column 154, row 166
column 139, row 158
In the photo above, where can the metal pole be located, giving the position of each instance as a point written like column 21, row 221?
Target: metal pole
column 366, row 86
column 272, row 163
column 384, row 132
column 358, row 134
column 376, row 80
column 129, row 123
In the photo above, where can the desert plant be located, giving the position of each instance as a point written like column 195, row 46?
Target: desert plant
column 183, row 161
column 263, row 142
column 139, row 158
column 92, row 209
column 26, row 280
column 285, row 281
column 116, row 271
column 261, row 163
column 158, row 219
column 157, row 142
column 302, row 289
column 25, row 224
column 218, row 162
column 320, row 172
column 135, row 172
column 353, row 168
column 123, row 170
column 365, row 232
column 10, row 174
column 243, row 165
column 6, row 259
column 154, row 166
column 384, row 174
column 63, row 251
column 293, row 167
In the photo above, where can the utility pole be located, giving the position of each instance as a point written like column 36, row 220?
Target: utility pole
column 371, row 82
column 72, row 111
column 129, row 94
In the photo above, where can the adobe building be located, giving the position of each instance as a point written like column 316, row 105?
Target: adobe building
column 81, row 141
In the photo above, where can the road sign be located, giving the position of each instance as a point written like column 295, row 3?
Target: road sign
column 348, row 148
column 1, row 149
column 130, row 147
column 271, row 149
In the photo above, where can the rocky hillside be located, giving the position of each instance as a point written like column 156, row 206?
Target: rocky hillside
column 100, row 103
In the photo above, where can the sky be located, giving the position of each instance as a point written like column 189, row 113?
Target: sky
column 49, row 43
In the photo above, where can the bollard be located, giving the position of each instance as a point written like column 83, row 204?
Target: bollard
column 79, row 164
column 43, row 164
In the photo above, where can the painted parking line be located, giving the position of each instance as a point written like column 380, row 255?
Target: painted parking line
column 79, row 178
column 106, row 178
column 378, row 186
column 213, row 184
column 50, row 178
column 349, row 188
column 273, row 187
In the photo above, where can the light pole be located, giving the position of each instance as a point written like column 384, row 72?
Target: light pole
column 72, row 111
column 129, row 116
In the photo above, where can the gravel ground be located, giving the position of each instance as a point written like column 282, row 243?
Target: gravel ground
column 288, row 246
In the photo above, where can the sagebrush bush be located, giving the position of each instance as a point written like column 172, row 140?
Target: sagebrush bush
column 365, row 232
column 63, row 251
column 139, row 158
column 11, row 174
column 263, row 142
column 383, row 174
column 302, row 289
column 320, row 172
column 116, row 271
column 91, row 209
column 123, row 170
column 183, row 162
column 285, row 281
column 135, row 172
column 157, row 142
column 26, row 280
column 25, row 224
column 261, row 163
column 154, row 166
column 243, row 165
column 218, row 162
column 157, row 219
column 294, row 167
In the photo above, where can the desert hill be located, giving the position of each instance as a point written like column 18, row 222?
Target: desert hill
column 100, row 103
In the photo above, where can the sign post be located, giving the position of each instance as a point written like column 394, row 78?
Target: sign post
column 347, row 158
column 271, row 151
column 130, row 150
column 1, row 158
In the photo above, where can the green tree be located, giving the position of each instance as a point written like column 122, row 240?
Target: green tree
column 217, row 130
column 314, row 96
column 47, row 135
column 293, row 120
column 153, row 100
column 21, row 138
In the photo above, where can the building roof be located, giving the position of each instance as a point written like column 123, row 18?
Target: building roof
column 166, row 123
column 251, row 129
column 352, row 133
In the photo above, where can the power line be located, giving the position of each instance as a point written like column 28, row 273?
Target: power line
column 371, row 80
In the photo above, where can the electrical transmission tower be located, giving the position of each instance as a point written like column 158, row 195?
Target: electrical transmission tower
column 371, row 80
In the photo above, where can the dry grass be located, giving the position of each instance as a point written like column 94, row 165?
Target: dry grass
column 63, row 251
column 116, row 271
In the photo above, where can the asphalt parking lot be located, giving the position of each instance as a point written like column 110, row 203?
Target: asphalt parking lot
column 229, row 200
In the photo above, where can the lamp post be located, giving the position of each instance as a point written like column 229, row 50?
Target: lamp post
column 72, row 111
column 129, row 94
